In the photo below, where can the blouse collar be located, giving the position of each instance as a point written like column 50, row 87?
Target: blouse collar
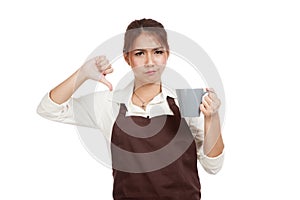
column 124, row 95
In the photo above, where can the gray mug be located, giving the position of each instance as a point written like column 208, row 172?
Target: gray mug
column 189, row 101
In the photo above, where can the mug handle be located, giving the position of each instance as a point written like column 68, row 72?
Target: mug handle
column 205, row 93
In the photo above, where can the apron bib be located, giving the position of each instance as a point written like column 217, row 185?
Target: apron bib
column 176, row 180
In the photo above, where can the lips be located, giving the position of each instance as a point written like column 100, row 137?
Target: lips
column 150, row 72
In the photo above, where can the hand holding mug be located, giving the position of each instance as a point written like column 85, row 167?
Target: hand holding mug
column 210, row 104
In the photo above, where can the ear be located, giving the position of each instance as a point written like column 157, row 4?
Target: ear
column 126, row 58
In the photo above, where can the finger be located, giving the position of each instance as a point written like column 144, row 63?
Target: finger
column 203, row 109
column 205, row 104
column 104, row 63
column 106, row 82
column 97, row 60
column 210, row 90
column 100, row 58
column 208, row 99
column 107, row 66
column 100, row 61
column 108, row 71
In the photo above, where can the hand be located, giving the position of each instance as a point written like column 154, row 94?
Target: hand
column 210, row 104
column 96, row 69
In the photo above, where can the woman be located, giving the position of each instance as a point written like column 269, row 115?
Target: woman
column 143, row 104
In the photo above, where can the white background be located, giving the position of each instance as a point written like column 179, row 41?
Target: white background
column 255, row 46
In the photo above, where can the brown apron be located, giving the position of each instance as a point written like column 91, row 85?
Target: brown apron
column 176, row 180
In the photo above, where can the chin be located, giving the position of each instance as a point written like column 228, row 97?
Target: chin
column 150, row 80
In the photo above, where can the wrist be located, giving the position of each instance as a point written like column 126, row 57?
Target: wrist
column 211, row 116
column 81, row 75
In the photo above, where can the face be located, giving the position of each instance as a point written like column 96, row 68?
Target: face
column 147, row 59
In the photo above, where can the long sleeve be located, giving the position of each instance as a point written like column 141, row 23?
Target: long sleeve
column 211, row 165
column 75, row 111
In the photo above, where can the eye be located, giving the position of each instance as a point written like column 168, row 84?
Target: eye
column 139, row 53
column 159, row 52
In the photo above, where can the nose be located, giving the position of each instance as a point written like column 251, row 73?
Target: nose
column 149, row 60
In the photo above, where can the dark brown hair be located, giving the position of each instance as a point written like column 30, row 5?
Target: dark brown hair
column 136, row 27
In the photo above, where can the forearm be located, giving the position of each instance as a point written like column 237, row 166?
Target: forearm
column 213, row 142
column 65, row 90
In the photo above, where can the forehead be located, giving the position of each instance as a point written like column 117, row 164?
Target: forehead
column 146, row 41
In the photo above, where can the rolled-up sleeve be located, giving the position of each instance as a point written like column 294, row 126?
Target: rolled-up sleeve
column 74, row 111
column 211, row 165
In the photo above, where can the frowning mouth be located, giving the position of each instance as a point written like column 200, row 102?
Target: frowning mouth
column 150, row 72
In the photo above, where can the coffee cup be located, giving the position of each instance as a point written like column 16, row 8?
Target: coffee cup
column 189, row 101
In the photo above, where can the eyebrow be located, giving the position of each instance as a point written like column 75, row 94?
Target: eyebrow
column 154, row 49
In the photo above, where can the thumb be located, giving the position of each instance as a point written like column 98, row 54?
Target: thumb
column 210, row 90
column 106, row 82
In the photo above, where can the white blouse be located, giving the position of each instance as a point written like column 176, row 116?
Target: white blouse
column 100, row 110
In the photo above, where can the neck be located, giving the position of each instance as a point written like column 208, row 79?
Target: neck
column 149, row 89
column 143, row 94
